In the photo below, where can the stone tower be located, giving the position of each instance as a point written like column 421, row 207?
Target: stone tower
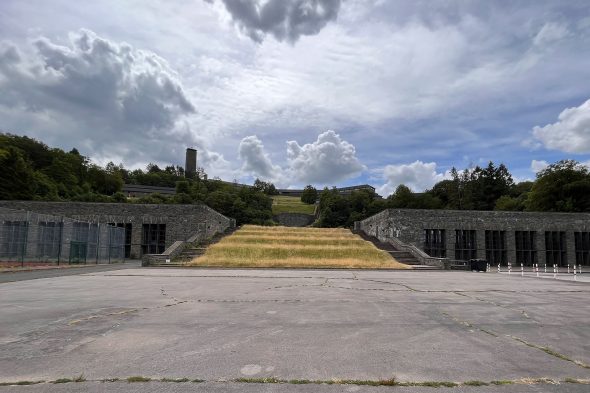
column 190, row 166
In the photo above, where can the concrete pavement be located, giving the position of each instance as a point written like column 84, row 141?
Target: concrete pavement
column 221, row 325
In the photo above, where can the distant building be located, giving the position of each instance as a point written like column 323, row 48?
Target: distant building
column 341, row 190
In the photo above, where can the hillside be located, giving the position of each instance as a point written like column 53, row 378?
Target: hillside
column 288, row 204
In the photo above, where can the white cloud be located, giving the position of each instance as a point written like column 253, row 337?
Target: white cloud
column 538, row 165
column 255, row 160
column 284, row 19
column 326, row 161
column 108, row 99
column 550, row 32
column 571, row 133
column 418, row 176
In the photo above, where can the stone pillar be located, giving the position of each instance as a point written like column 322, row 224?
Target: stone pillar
column 450, row 241
column 136, row 234
column 480, row 241
column 510, row 243
column 570, row 242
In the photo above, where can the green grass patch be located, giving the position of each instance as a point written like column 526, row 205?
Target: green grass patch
column 502, row 382
column 288, row 204
column 138, row 378
column 20, row 383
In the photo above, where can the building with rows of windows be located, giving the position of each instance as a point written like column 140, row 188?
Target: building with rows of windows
column 497, row 236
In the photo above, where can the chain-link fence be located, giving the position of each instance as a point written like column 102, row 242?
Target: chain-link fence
column 28, row 239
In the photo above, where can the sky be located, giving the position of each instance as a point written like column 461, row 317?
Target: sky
column 297, row 92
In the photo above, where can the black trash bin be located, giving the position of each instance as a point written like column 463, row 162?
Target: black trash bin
column 479, row 265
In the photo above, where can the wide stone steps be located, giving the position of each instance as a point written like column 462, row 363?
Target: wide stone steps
column 400, row 256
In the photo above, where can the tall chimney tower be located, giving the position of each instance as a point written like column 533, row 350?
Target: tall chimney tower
column 190, row 166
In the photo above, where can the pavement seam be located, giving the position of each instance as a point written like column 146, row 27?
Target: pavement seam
column 392, row 382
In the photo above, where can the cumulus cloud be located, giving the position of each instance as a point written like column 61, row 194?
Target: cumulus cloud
column 283, row 19
column 418, row 176
column 538, row 165
column 571, row 133
column 326, row 161
column 255, row 160
column 110, row 100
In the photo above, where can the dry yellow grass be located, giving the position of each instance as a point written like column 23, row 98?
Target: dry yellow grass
column 257, row 246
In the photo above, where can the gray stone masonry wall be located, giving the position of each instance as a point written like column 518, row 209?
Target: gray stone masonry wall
column 182, row 221
column 293, row 219
column 408, row 225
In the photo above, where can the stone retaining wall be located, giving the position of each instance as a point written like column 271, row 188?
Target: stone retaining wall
column 182, row 221
column 408, row 225
column 294, row 219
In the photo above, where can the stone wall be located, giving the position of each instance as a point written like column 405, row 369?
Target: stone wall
column 408, row 225
column 182, row 221
column 293, row 219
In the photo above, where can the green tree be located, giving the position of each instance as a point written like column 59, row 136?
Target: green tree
column 309, row 195
column 562, row 187
column 16, row 176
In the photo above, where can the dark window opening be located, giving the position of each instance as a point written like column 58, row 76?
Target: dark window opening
column 128, row 228
column 434, row 243
column 496, row 252
column 555, row 248
column 526, row 247
column 465, row 245
column 153, row 239
column 582, row 240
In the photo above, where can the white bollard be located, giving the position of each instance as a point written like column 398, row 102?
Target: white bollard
column 575, row 276
column 545, row 268
column 509, row 268
column 498, row 268
column 521, row 270
column 568, row 268
column 554, row 272
column 537, row 269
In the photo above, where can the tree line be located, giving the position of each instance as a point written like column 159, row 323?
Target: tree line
column 33, row 171
column 561, row 187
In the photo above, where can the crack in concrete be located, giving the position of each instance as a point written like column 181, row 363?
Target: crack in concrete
column 522, row 312
column 547, row 350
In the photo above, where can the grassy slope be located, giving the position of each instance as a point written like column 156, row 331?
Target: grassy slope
column 253, row 246
column 287, row 204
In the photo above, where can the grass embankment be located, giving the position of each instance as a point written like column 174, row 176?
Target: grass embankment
column 287, row 204
column 256, row 246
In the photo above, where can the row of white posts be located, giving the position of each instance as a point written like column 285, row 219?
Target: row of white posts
column 576, row 269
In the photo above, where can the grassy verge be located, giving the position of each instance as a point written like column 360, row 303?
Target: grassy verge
column 287, row 204
column 253, row 246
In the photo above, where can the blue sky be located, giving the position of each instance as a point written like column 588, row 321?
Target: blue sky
column 326, row 92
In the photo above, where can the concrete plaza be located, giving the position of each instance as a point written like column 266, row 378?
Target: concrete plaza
column 222, row 325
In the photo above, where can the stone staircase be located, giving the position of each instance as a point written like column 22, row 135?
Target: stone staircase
column 401, row 256
column 192, row 251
